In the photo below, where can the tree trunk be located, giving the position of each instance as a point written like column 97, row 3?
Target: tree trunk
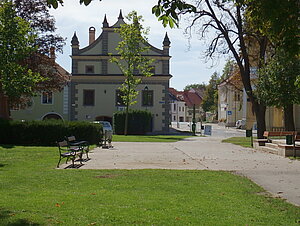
column 126, row 120
column 260, row 113
column 4, row 106
column 289, row 124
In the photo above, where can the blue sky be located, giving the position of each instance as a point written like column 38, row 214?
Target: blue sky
column 187, row 64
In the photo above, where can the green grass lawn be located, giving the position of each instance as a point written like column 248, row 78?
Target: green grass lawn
column 243, row 141
column 33, row 192
column 146, row 138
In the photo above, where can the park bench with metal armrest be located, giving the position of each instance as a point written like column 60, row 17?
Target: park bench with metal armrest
column 84, row 145
column 65, row 151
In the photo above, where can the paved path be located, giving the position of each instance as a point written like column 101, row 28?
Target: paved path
column 278, row 175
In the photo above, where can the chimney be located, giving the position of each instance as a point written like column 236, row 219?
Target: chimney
column 52, row 53
column 91, row 35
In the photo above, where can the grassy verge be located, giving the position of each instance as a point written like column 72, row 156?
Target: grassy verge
column 242, row 141
column 146, row 138
column 34, row 193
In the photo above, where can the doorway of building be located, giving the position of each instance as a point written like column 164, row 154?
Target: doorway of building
column 52, row 116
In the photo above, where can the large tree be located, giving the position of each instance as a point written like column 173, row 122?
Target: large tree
column 277, row 85
column 42, row 59
column 132, row 62
column 16, row 44
column 47, row 43
column 278, row 20
column 226, row 20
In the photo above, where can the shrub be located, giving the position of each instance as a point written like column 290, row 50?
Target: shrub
column 48, row 132
column 139, row 122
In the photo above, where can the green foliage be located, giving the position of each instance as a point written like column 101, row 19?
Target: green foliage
column 34, row 193
column 55, row 3
column 227, row 70
column 47, row 132
column 167, row 11
column 277, row 81
column 139, row 122
column 278, row 20
column 197, row 86
column 16, row 44
column 132, row 62
column 210, row 100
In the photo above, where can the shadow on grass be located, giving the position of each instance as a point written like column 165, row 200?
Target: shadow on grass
column 7, row 146
column 5, row 215
column 171, row 138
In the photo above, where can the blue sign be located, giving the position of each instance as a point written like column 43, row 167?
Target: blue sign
column 229, row 112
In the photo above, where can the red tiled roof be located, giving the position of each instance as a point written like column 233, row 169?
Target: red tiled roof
column 190, row 97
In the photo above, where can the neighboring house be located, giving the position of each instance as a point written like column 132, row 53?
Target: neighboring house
column 230, row 102
column 177, row 106
column 94, row 93
column 190, row 98
column 233, row 105
column 46, row 105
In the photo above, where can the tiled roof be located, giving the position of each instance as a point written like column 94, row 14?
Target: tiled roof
column 190, row 97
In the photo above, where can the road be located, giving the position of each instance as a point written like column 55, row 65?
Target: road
column 217, row 131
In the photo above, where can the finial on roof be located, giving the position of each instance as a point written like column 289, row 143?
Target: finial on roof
column 120, row 15
column 166, row 41
column 75, row 39
column 105, row 23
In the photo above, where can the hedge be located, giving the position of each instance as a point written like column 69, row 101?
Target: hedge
column 48, row 132
column 139, row 122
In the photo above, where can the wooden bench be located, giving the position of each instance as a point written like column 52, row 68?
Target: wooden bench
column 296, row 139
column 80, row 144
column 65, row 151
column 269, row 134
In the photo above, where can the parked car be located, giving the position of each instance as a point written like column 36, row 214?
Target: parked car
column 240, row 124
column 106, row 125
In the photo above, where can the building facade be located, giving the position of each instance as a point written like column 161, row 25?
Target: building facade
column 93, row 90
column 95, row 80
column 183, row 107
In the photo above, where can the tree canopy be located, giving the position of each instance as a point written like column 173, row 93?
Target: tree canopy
column 197, row 86
column 42, row 61
column 210, row 100
column 16, row 44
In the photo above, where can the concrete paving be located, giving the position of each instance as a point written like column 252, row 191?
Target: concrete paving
column 276, row 174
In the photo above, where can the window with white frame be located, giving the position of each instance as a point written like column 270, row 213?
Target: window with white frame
column 47, row 98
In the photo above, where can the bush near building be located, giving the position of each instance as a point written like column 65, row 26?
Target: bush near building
column 48, row 132
column 139, row 122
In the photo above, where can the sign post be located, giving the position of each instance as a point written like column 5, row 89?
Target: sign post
column 207, row 130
